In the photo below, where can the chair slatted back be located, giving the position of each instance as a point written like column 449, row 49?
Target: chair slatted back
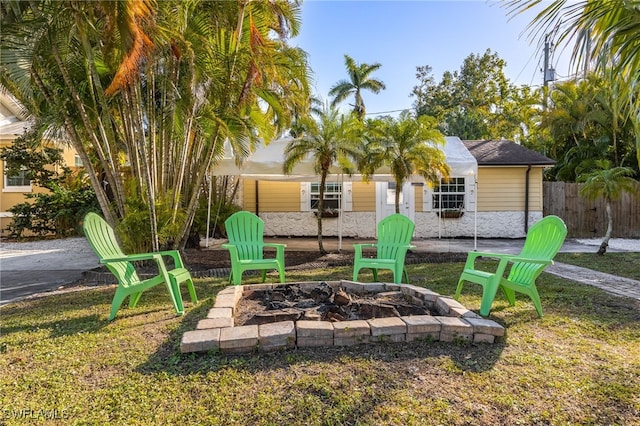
column 544, row 240
column 245, row 230
column 104, row 243
column 394, row 234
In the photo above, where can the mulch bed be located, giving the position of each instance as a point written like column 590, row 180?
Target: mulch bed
column 216, row 263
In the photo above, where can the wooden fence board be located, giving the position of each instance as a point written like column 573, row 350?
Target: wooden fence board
column 587, row 219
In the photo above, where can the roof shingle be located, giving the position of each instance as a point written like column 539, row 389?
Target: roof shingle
column 505, row 153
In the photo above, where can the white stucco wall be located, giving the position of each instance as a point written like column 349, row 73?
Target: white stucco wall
column 428, row 225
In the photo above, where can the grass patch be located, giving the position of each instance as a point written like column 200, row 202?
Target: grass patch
column 61, row 358
column 624, row 264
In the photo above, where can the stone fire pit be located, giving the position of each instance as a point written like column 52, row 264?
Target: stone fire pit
column 351, row 313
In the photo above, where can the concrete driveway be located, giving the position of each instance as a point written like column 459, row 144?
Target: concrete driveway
column 40, row 266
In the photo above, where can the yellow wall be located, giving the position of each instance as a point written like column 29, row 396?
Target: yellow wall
column 418, row 196
column 499, row 189
column 503, row 188
column 274, row 196
column 364, row 196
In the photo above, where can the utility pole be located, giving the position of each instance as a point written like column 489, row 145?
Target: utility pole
column 549, row 74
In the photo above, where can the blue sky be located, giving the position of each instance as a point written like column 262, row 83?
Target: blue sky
column 402, row 35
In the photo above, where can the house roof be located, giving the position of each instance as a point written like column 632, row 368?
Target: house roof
column 505, row 153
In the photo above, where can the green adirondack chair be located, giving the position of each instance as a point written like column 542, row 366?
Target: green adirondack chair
column 103, row 241
column 246, row 245
column 543, row 241
column 394, row 240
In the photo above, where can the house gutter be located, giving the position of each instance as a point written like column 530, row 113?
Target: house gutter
column 257, row 199
column 526, row 199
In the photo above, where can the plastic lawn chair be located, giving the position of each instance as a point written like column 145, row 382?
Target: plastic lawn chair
column 245, row 232
column 543, row 241
column 103, row 241
column 394, row 240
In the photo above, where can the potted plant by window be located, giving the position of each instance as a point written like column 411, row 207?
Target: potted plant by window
column 329, row 213
column 451, row 213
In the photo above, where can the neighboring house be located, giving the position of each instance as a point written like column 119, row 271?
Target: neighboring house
column 14, row 123
column 509, row 196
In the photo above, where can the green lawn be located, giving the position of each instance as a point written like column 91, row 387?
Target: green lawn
column 580, row 364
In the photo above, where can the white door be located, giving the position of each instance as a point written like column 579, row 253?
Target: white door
column 385, row 200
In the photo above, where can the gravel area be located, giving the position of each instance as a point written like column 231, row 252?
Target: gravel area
column 626, row 244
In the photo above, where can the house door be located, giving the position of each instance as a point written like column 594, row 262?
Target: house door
column 385, row 200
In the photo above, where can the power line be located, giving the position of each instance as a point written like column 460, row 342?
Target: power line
column 387, row 112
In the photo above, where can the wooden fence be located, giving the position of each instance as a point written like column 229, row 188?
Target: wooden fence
column 587, row 219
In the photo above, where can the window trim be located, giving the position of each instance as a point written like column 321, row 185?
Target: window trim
column 434, row 192
column 15, row 188
column 306, row 198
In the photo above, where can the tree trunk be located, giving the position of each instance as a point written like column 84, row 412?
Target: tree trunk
column 607, row 236
column 397, row 196
column 323, row 179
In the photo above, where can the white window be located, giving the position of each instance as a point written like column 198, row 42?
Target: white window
column 449, row 194
column 334, row 194
column 17, row 183
column 77, row 161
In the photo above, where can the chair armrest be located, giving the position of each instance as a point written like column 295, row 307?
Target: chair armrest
column 233, row 251
column 473, row 255
column 358, row 248
column 279, row 249
column 174, row 254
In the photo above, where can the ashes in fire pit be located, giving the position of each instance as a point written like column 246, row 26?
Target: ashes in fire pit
column 322, row 302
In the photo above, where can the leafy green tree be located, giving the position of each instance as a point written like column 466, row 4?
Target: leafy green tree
column 605, row 34
column 153, row 89
column 408, row 145
column 359, row 79
column 477, row 102
column 608, row 183
column 57, row 211
column 584, row 123
column 331, row 140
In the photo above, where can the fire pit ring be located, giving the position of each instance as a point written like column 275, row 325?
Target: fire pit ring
column 452, row 321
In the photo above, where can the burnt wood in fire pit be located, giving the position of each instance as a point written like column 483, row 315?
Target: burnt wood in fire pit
column 322, row 302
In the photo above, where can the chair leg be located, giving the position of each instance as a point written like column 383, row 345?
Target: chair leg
column 375, row 275
column 281, row 271
column 264, row 275
column 535, row 298
column 134, row 299
column 406, row 275
column 174, row 293
column 509, row 294
column 456, row 296
column 192, row 291
column 355, row 273
column 488, row 295
column 118, row 298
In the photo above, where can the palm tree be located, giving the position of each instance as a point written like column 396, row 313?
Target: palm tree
column 158, row 86
column 609, row 183
column 606, row 33
column 408, row 146
column 330, row 141
column 359, row 80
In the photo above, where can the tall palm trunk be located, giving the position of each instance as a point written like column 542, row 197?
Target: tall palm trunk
column 607, row 235
column 323, row 180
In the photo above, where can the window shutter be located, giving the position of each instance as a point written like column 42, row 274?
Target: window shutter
column 347, row 194
column 305, row 197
